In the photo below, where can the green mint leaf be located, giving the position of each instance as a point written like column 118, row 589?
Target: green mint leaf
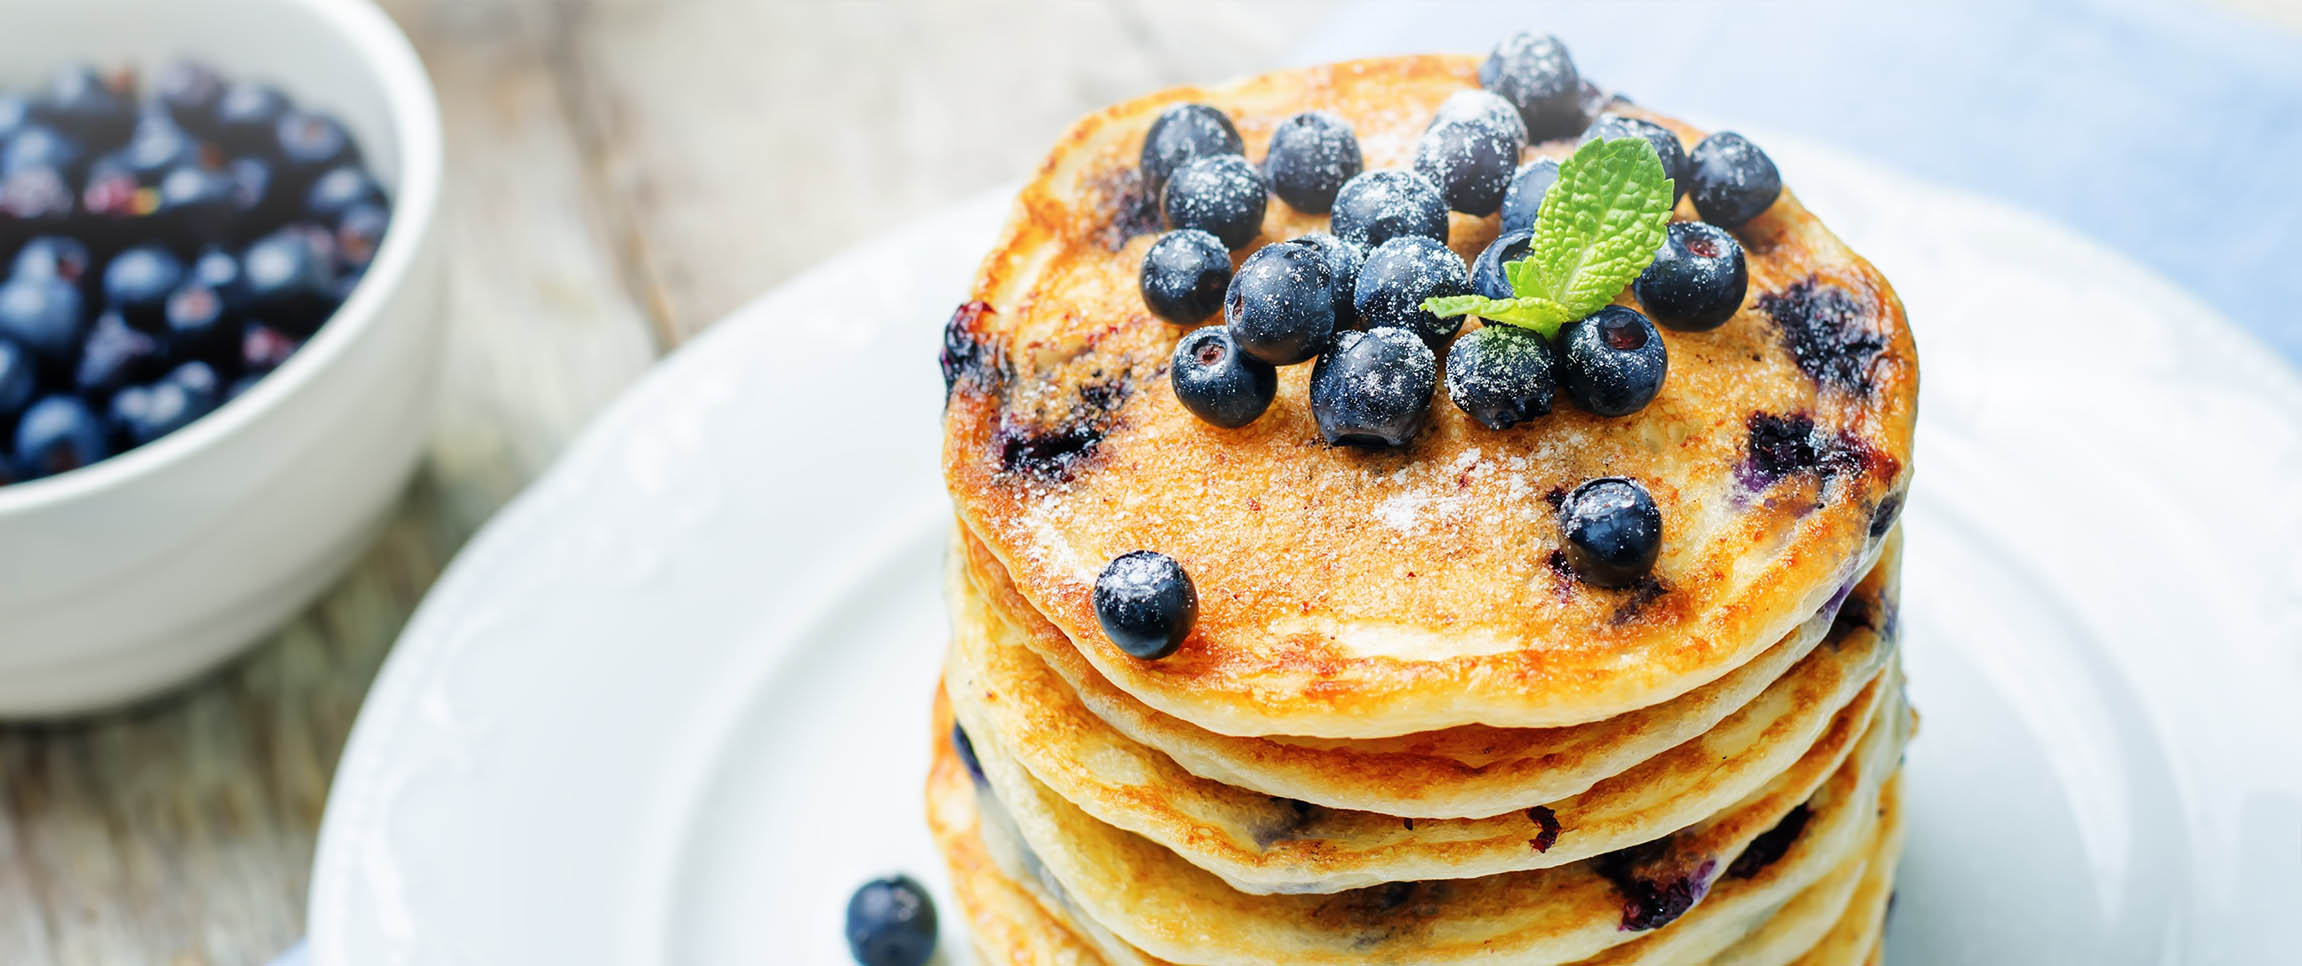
column 1537, row 313
column 1598, row 228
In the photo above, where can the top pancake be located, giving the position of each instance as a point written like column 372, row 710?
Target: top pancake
column 1349, row 593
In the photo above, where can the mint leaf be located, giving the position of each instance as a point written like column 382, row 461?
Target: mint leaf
column 1533, row 312
column 1599, row 226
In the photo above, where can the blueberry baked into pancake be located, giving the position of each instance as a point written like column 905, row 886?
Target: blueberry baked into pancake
column 1422, row 510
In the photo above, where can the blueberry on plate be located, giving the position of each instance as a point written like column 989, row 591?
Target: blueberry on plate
column 115, row 356
column 1470, row 163
column 1311, row 155
column 891, row 922
column 1399, row 275
column 1524, row 199
column 1373, row 388
column 1487, row 277
column 137, row 283
column 248, row 118
column 56, row 434
column 86, row 104
column 1184, row 132
column 1610, row 127
column 1612, row 363
column 1733, row 180
column 1378, row 206
column 1612, row 529
column 43, row 315
column 1483, row 108
column 1220, row 194
column 1501, row 375
column 1184, row 275
column 1146, row 603
column 1535, row 74
column 289, row 281
column 1219, row 383
column 17, row 380
column 188, row 91
column 1280, row 307
column 1343, row 261
column 53, row 256
column 1697, row 279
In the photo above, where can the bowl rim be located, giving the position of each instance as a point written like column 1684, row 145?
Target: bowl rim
column 412, row 112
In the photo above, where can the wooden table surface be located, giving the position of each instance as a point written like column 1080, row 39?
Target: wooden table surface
column 622, row 173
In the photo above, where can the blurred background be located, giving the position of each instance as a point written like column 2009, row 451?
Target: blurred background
column 624, row 172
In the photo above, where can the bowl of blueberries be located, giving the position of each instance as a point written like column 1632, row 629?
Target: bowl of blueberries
column 219, row 326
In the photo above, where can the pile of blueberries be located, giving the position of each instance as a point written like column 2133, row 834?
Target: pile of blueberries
column 167, row 244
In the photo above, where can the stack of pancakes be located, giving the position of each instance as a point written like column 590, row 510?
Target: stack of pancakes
column 1402, row 730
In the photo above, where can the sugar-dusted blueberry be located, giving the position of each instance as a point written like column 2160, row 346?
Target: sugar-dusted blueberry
column 891, row 922
column 1487, row 276
column 1613, row 362
column 82, row 101
column 1470, row 154
column 1184, row 132
column 137, row 282
column 189, row 90
column 248, row 118
column 1280, row 307
column 1534, row 73
column 1343, row 261
column 1612, row 529
column 114, row 356
column 1610, row 127
column 43, row 315
column 57, row 434
column 1146, row 603
column 1501, row 375
column 1184, row 275
column 1484, row 108
column 1378, row 206
column 53, row 256
column 1734, row 181
column 289, row 281
column 1399, row 275
column 1217, row 381
column 1311, row 155
column 17, row 379
column 1373, row 388
column 1524, row 199
column 1697, row 279
column 1221, row 194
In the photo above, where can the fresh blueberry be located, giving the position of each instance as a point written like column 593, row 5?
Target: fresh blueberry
column 1378, row 206
column 1501, row 375
column 56, row 434
column 263, row 348
column 195, row 205
column 257, row 193
column 1280, row 307
column 148, row 412
column 53, row 256
column 157, row 146
column 86, row 104
column 1535, row 74
column 35, row 199
column 1470, row 156
column 1696, row 281
column 1733, row 180
column 1343, row 261
column 891, row 922
column 1399, row 275
column 1184, row 275
column 1524, row 200
column 114, row 356
column 1146, row 603
column 137, row 282
column 340, row 190
column 311, row 143
column 43, row 315
column 965, row 748
column 115, row 204
column 219, row 271
column 1184, row 132
column 1221, row 194
column 1373, row 388
column 248, row 118
column 1613, row 531
column 16, row 380
column 289, row 283
column 198, row 326
column 1612, row 363
column 359, row 233
column 1219, row 383
column 1487, row 277
column 188, row 91
column 40, row 146
column 1483, row 108
column 15, row 115
column 1311, row 155
column 1667, row 147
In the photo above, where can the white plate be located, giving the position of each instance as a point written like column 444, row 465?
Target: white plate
column 671, row 706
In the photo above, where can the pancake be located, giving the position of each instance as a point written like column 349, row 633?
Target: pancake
column 1470, row 771
column 1860, row 935
column 1347, row 593
column 1261, row 844
column 1801, row 925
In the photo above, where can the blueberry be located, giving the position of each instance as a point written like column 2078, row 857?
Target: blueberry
column 1535, row 74
column 1378, row 206
column 1696, row 281
column 137, row 283
column 1221, row 194
column 1487, row 277
column 115, row 203
column 148, row 412
column 1373, row 388
column 1612, row 363
column 43, row 315
column 1311, row 155
column 1501, row 375
column 311, row 143
column 218, row 270
column 1524, row 199
column 1399, row 275
column 15, row 115
column 257, row 192
column 1470, row 157
column 248, row 118
column 1667, row 147
column 114, row 356
column 56, row 434
column 157, row 145
column 1146, row 603
column 965, row 748
column 263, row 349
column 40, row 146
column 289, row 283
column 1184, row 275
column 1219, row 383
column 1343, row 261
column 1613, row 531
column 188, row 91
column 1483, row 108
column 35, row 199
column 195, row 205
column 1733, row 180
column 16, row 380
column 339, row 190
column 359, row 233
column 53, row 256
column 198, row 326
column 86, row 104
column 891, row 922
column 1184, row 132
column 1280, row 307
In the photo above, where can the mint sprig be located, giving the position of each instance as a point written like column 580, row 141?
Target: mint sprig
column 1599, row 227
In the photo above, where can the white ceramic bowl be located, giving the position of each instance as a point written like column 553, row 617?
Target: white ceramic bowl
column 124, row 578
